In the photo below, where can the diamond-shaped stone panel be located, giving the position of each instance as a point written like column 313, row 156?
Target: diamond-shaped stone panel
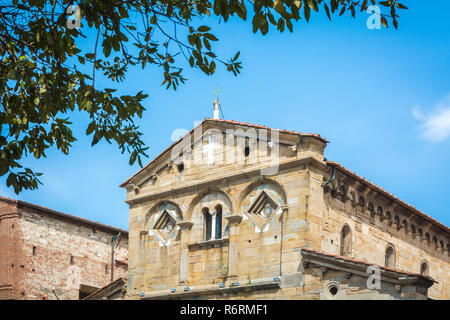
column 262, row 210
column 165, row 225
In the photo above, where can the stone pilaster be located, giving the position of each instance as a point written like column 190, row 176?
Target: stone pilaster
column 233, row 221
column 185, row 227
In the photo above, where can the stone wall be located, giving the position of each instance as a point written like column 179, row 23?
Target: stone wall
column 246, row 251
column 253, row 245
column 371, row 235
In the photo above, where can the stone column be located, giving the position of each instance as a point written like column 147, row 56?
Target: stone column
column 185, row 227
column 213, row 225
column 233, row 222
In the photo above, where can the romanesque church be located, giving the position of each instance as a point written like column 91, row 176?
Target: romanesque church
column 240, row 211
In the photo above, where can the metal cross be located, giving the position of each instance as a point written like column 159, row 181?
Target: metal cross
column 217, row 91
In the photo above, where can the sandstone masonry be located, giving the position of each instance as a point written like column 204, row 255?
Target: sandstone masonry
column 308, row 230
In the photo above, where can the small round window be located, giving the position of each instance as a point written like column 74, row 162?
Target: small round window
column 333, row 289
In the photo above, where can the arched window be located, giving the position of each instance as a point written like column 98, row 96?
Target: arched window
column 380, row 211
column 435, row 241
column 397, row 221
column 346, row 241
column 389, row 260
column 208, row 223
column 405, row 225
column 218, row 221
column 361, row 201
column 424, row 268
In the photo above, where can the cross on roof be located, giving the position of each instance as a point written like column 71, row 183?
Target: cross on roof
column 217, row 91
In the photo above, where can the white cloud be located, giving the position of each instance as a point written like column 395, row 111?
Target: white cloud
column 435, row 124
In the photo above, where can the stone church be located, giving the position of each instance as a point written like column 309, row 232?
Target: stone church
column 240, row 211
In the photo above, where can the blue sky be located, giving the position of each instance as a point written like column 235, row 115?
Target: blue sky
column 382, row 97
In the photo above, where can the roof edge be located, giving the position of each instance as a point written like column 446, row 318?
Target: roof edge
column 64, row 215
column 312, row 135
column 364, row 262
column 389, row 195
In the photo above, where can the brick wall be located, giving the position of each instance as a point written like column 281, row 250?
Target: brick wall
column 54, row 257
column 10, row 251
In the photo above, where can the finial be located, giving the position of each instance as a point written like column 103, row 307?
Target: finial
column 216, row 103
column 217, row 92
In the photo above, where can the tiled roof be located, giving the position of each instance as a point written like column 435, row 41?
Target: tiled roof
column 413, row 274
column 388, row 195
column 314, row 135
column 64, row 215
column 305, row 134
column 122, row 279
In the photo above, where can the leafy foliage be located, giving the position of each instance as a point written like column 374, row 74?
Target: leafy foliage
column 42, row 81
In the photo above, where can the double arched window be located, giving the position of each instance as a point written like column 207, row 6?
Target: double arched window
column 213, row 223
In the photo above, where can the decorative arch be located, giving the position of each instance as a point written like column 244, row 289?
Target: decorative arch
column 352, row 196
column 362, row 201
column 223, row 199
column 420, row 233
column 346, row 240
column 159, row 208
column 389, row 258
column 405, row 225
column 413, row 230
column 435, row 241
column 256, row 184
column 207, row 212
column 388, row 216
column 260, row 202
column 427, row 238
column 343, row 192
column 380, row 211
column 161, row 221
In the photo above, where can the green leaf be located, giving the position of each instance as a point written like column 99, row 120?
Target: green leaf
column 203, row 29
column 307, row 12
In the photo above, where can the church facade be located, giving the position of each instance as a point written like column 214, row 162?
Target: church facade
column 240, row 211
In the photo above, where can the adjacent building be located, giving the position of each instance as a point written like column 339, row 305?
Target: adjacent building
column 46, row 254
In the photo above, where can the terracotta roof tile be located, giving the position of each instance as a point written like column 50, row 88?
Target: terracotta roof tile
column 367, row 263
column 106, row 286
